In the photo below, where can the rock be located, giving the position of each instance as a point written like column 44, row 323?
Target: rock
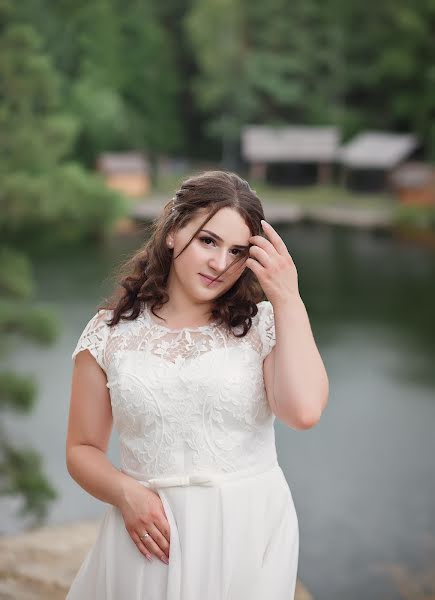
column 40, row 564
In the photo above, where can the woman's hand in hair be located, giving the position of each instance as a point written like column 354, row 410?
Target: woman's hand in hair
column 273, row 266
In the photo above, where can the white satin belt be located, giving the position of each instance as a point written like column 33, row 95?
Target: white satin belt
column 205, row 479
column 182, row 480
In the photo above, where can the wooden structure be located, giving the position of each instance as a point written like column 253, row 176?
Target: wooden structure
column 369, row 158
column 126, row 172
column 414, row 183
column 290, row 154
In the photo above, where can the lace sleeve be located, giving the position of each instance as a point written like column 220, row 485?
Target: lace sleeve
column 94, row 338
column 266, row 327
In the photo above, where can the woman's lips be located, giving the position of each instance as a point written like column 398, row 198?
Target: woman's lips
column 209, row 281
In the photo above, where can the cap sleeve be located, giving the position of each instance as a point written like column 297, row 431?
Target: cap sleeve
column 94, row 338
column 266, row 327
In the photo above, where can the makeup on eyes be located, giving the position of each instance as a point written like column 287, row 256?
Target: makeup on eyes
column 206, row 237
column 215, row 236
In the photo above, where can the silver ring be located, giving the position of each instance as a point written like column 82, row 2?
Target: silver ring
column 142, row 537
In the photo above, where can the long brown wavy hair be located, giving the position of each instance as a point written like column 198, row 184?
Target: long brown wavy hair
column 142, row 278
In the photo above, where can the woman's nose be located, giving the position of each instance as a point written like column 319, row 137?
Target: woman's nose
column 219, row 261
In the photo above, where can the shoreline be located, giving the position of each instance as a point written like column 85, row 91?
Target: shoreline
column 41, row 563
column 291, row 212
column 368, row 218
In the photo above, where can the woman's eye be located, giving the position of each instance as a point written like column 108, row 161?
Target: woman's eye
column 205, row 240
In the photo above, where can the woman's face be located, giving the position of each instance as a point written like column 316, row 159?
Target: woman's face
column 224, row 237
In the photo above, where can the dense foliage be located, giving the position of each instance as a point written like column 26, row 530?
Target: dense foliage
column 171, row 77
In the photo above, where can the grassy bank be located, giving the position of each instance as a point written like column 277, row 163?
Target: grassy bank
column 419, row 218
column 304, row 195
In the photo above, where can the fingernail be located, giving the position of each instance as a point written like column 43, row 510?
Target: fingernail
column 165, row 560
column 148, row 556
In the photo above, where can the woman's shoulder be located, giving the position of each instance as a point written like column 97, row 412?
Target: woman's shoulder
column 99, row 320
column 265, row 310
column 104, row 315
column 94, row 336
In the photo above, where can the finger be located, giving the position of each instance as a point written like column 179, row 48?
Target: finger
column 144, row 551
column 151, row 545
column 135, row 537
column 275, row 238
column 159, row 539
column 261, row 242
column 261, row 255
column 162, row 523
column 255, row 267
column 164, row 528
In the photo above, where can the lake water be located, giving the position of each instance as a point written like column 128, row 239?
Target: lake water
column 363, row 479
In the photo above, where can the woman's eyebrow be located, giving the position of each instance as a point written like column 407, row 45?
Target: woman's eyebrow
column 215, row 235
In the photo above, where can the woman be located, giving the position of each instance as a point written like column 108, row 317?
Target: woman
column 192, row 364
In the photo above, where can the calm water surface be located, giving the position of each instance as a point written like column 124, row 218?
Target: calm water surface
column 363, row 479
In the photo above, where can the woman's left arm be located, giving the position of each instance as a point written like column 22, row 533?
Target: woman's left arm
column 296, row 381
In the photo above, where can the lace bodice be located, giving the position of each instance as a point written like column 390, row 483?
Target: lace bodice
column 189, row 400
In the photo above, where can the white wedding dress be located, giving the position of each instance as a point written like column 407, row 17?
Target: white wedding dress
column 194, row 424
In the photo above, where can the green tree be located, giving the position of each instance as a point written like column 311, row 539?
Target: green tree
column 165, row 76
column 151, row 84
column 390, row 73
column 21, row 470
column 44, row 196
column 42, row 193
column 269, row 63
column 120, row 76
column 222, row 89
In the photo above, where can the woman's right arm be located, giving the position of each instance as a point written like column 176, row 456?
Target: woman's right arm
column 89, row 428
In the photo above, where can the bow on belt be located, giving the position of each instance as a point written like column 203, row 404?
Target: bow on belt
column 183, row 480
column 200, row 478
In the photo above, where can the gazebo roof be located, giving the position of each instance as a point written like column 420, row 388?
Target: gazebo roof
column 289, row 143
column 123, row 162
column 377, row 150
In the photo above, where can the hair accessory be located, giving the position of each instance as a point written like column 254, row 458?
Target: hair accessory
column 173, row 204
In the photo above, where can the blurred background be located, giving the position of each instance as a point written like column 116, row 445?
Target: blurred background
column 328, row 109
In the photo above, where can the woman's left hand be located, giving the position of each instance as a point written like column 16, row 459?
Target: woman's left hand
column 273, row 266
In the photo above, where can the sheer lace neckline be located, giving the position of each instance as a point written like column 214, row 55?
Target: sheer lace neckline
column 153, row 321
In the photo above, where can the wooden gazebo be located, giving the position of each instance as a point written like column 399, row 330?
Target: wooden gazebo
column 291, row 154
column 127, row 172
column 368, row 160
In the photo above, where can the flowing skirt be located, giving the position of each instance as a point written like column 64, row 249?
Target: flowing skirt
column 234, row 541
